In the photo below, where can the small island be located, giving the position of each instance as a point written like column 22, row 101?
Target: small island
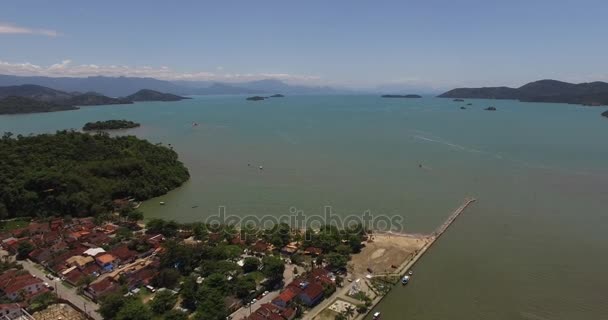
column 463, row 108
column 109, row 125
column 411, row 96
column 278, row 95
column 151, row 95
column 605, row 114
column 458, row 100
column 490, row 109
column 256, row 98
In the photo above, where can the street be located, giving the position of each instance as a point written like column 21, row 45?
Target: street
column 244, row 312
column 64, row 292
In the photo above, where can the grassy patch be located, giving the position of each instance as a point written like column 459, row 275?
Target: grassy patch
column 8, row 225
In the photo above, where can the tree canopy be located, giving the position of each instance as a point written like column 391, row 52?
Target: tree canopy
column 78, row 174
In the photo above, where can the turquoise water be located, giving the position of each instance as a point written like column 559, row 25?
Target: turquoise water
column 533, row 247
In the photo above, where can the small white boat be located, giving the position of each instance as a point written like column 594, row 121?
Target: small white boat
column 377, row 315
column 411, row 272
column 162, row 203
column 405, row 280
column 261, row 168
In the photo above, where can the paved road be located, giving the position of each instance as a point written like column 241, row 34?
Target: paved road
column 245, row 312
column 63, row 292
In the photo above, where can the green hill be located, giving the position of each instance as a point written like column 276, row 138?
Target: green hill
column 78, row 174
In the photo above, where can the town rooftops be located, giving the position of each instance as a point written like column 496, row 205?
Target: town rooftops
column 79, row 261
column 94, row 251
column 105, row 259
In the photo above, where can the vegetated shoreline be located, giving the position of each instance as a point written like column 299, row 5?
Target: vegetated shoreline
column 110, row 125
column 79, row 174
column 25, row 99
column 550, row 91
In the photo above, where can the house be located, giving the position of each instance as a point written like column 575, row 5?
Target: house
column 290, row 248
column 38, row 228
column 100, row 288
column 123, row 254
column 94, row 251
column 15, row 283
column 79, row 261
column 97, row 238
column 40, row 255
column 260, row 247
column 11, row 310
column 155, row 240
column 268, row 311
column 286, row 297
column 312, row 294
column 313, row 251
column 106, row 262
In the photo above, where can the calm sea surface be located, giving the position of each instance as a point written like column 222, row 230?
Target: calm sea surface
column 534, row 246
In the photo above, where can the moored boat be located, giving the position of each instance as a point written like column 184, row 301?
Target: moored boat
column 405, row 280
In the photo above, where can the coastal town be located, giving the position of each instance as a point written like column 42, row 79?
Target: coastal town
column 87, row 268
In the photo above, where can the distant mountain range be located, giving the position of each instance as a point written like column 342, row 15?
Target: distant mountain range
column 122, row 86
column 592, row 93
column 31, row 98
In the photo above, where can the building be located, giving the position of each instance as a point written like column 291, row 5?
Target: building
column 11, row 310
column 312, row 294
column 106, row 262
column 286, row 297
column 100, row 288
column 268, row 311
column 18, row 283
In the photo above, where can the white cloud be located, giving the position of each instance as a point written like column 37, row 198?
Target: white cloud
column 67, row 69
column 7, row 28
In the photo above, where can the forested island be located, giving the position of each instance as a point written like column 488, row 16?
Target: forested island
column 151, row 95
column 30, row 98
column 401, row 96
column 79, row 174
column 255, row 98
column 110, row 125
column 590, row 94
column 605, row 114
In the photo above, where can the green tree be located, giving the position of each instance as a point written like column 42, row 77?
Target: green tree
column 167, row 278
column 23, row 249
column 251, row 264
column 188, row 293
column 163, row 301
column 243, row 286
column 336, row 260
column 110, row 304
column 211, row 305
column 273, row 267
column 134, row 309
column 175, row 315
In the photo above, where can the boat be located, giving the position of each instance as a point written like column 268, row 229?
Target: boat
column 376, row 315
column 411, row 272
column 162, row 203
column 405, row 280
column 261, row 168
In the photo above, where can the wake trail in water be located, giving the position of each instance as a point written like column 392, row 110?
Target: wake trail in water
column 498, row 156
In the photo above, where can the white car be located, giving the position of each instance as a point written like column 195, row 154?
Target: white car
column 265, row 293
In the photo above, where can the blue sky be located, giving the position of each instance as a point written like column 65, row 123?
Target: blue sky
column 425, row 44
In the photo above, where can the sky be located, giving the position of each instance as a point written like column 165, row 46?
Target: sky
column 356, row 44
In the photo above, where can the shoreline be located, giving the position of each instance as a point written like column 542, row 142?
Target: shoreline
column 401, row 269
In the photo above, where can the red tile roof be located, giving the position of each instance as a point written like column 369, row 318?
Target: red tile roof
column 313, row 290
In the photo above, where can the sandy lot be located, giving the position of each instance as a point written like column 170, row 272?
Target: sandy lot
column 384, row 251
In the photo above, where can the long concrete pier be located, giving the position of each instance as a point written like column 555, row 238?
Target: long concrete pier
column 405, row 266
